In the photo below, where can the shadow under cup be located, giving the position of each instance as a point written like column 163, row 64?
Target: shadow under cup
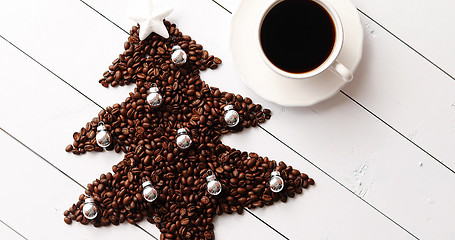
column 300, row 38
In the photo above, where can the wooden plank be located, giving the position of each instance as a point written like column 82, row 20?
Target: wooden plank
column 45, row 126
column 407, row 92
column 34, row 196
column 425, row 25
column 55, row 33
column 8, row 233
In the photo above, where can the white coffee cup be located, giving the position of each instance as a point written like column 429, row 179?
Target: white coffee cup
column 330, row 63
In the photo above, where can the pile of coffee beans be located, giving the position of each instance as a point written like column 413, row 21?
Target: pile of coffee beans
column 184, row 209
column 143, row 60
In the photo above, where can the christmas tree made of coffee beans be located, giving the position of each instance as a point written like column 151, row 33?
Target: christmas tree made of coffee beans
column 175, row 196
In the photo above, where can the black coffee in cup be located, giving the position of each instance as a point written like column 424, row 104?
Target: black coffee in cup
column 297, row 36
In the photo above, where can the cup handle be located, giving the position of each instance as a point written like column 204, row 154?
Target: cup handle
column 342, row 71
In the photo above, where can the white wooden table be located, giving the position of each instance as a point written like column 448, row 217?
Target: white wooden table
column 382, row 151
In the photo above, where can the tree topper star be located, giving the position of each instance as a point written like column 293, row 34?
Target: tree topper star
column 153, row 22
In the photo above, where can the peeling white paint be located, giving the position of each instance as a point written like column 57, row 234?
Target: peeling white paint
column 413, row 134
column 358, row 183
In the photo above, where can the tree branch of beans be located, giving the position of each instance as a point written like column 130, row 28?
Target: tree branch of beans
column 184, row 209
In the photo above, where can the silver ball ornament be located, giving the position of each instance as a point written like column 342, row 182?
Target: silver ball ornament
column 154, row 97
column 213, row 186
column 90, row 210
column 178, row 56
column 183, row 140
column 103, row 138
column 149, row 192
column 276, row 182
column 231, row 117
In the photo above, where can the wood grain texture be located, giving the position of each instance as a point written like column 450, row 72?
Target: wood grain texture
column 426, row 26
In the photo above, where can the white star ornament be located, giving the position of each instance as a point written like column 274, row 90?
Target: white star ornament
column 153, row 22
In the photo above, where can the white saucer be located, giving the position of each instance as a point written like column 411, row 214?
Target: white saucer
column 276, row 88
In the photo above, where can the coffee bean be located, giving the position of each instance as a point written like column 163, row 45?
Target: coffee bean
column 241, row 191
column 251, row 162
column 305, row 184
column 91, row 134
column 118, row 75
column 257, row 190
column 130, row 176
column 89, row 148
column 127, row 200
column 208, row 235
column 311, row 181
column 184, row 221
column 205, row 200
column 126, row 45
column 76, row 136
column 219, row 170
column 298, row 183
column 217, row 60
column 234, row 181
column 68, row 220
column 267, row 198
column 258, row 204
column 69, row 148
